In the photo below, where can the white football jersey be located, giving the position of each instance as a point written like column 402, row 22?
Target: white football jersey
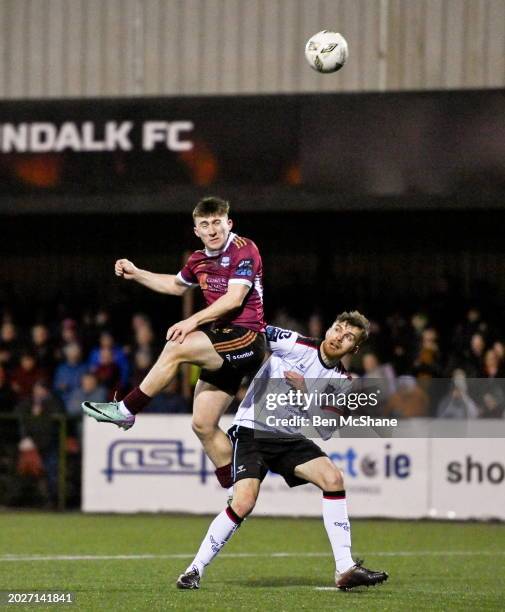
column 290, row 352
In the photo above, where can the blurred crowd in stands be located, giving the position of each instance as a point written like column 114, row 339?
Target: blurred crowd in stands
column 423, row 370
column 59, row 364
column 74, row 360
column 48, row 368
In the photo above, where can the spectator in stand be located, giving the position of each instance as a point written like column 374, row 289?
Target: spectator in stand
column 458, row 404
column 474, row 356
column 142, row 363
column 43, row 348
column 69, row 334
column 107, row 372
column 434, row 391
column 92, row 325
column 39, row 431
column 489, row 389
column 408, row 401
column 9, row 345
column 491, row 366
column 492, row 404
column 8, row 427
column 139, row 319
column 24, row 377
column 418, row 322
column 102, row 320
column 429, row 351
column 382, row 374
column 88, row 391
column 374, row 343
column 106, row 341
column 68, row 374
column 144, row 339
column 499, row 349
column 472, row 324
column 8, row 398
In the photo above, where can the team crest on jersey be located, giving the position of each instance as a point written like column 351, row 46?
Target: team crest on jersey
column 225, row 261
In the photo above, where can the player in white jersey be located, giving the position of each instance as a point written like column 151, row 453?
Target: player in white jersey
column 286, row 451
column 295, row 362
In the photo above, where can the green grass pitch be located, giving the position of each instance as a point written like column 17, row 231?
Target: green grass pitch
column 270, row 564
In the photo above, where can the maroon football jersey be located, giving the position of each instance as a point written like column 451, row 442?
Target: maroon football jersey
column 238, row 262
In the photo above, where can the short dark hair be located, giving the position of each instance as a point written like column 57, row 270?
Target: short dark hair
column 356, row 319
column 211, row 206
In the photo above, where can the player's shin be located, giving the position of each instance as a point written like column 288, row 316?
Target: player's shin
column 338, row 528
column 220, row 531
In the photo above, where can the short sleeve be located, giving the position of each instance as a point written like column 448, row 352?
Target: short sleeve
column 187, row 276
column 244, row 265
column 280, row 341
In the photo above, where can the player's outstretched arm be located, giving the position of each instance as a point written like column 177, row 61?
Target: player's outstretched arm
column 228, row 302
column 162, row 283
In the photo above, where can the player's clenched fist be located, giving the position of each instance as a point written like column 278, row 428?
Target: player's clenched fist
column 295, row 380
column 126, row 269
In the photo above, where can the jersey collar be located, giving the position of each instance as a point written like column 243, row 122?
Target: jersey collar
column 211, row 253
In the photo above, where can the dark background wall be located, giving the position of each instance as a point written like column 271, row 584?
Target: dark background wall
column 325, row 261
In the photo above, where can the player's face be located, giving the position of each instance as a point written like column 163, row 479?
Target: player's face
column 341, row 339
column 213, row 231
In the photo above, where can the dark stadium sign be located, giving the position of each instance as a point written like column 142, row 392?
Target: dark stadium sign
column 320, row 152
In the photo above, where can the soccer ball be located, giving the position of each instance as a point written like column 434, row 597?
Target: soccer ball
column 326, row 51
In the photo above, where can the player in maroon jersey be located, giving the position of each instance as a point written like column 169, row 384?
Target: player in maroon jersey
column 226, row 339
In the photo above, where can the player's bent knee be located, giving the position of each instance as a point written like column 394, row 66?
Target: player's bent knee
column 203, row 428
column 333, row 480
column 172, row 352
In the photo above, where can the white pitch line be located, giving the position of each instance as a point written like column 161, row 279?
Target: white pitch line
column 398, row 553
column 326, row 589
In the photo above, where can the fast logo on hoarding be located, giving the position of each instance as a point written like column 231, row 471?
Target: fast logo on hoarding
column 148, row 457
